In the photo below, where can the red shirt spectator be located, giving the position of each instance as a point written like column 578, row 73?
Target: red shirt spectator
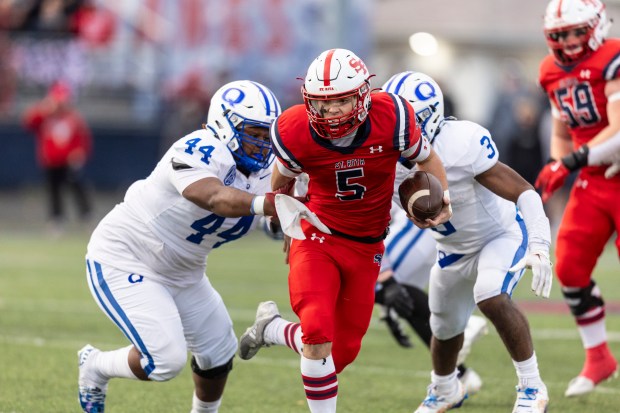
column 64, row 144
column 63, row 137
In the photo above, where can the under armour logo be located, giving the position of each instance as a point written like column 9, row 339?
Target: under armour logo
column 315, row 237
column 581, row 183
column 377, row 149
column 584, row 74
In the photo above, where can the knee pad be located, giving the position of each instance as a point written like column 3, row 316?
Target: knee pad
column 581, row 300
column 215, row 373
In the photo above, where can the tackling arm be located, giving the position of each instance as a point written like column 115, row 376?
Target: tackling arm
column 212, row 195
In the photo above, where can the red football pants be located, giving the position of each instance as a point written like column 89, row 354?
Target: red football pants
column 332, row 288
column 590, row 218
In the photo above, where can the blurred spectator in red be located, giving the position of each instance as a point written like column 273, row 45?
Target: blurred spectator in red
column 63, row 145
column 95, row 25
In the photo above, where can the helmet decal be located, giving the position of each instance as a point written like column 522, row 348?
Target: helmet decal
column 227, row 96
column 425, row 91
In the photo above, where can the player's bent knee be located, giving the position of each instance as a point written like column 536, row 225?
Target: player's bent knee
column 214, row 373
column 445, row 329
column 170, row 366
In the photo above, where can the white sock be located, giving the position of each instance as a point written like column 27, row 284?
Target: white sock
column 528, row 373
column 446, row 385
column 284, row 333
column 198, row 406
column 114, row 363
column 321, row 384
column 593, row 334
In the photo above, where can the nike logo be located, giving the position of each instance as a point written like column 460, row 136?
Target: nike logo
column 264, row 176
column 177, row 166
column 555, row 166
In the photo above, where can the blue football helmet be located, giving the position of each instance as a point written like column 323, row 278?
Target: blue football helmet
column 236, row 106
column 424, row 95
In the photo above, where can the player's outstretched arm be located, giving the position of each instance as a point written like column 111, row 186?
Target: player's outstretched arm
column 212, row 195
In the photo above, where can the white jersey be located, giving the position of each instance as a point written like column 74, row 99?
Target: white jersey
column 467, row 150
column 156, row 231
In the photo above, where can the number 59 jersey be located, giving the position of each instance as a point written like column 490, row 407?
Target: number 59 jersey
column 578, row 92
column 478, row 215
column 156, row 231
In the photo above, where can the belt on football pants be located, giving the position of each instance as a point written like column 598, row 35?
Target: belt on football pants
column 363, row 240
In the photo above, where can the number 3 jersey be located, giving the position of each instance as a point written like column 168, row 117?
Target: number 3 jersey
column 155, row 231
column 578, row 92
column 478, row 215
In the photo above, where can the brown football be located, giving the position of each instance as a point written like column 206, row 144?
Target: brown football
column 421, row 195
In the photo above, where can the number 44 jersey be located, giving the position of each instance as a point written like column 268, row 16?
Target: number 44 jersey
column 155, row 231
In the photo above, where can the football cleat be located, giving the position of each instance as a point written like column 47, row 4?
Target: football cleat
column 600, row 365
column 91, row 392
column 531, row 400
column 436, row 403
column 471, row 381
column 475, row 329
column 582, row 385
column 254, row 337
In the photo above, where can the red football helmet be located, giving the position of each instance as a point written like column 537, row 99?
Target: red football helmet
column 337, row 76
column 587, row 18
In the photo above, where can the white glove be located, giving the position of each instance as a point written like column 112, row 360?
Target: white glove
column 542, row 277
column 612, row 170
column 291, row 212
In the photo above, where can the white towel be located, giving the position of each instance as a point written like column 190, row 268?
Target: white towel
column 291, row 212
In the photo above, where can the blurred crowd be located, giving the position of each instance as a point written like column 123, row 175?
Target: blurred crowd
column 71, row 17
column 45, row 41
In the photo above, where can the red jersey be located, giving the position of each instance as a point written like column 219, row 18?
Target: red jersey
column 578, row 92
column 351, row 187
column 58, row 135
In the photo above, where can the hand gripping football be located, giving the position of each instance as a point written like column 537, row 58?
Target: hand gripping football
column 421, row 195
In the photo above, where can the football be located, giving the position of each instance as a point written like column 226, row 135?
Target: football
column 421, row 195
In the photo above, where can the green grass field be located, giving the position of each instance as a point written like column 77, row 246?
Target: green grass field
column 47, row 314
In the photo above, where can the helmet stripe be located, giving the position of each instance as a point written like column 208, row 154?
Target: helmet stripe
column 262, row 92
column 327, row 67
column 559, row 12
column 398, row 84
